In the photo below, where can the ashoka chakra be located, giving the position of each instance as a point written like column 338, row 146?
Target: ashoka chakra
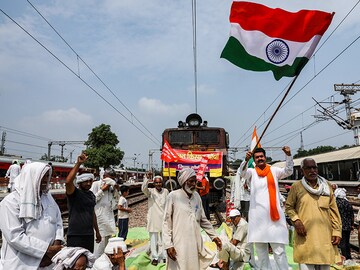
column 277, row 51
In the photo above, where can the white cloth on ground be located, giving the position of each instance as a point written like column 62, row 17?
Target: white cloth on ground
column 68, row 256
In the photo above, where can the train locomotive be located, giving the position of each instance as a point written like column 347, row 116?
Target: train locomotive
column 191, row 140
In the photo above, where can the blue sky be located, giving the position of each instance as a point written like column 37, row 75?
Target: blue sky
column 142, row 51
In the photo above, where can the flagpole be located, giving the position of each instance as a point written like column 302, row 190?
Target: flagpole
column 277, row 109
column 169, row 176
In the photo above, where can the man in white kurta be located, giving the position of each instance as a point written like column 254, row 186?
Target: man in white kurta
column 156, row 205
column 106, row 194
column 31, row 223
column 12, row 173
column 264, row 228
column 183, row 219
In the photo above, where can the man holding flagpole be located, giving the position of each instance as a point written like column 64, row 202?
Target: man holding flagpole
column 267, row 222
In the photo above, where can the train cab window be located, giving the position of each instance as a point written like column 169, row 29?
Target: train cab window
column 208, row 137
column 180, row 137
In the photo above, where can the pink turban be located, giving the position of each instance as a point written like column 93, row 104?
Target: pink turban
column 185, row 174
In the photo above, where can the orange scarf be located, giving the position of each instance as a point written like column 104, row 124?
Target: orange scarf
column 266, row 172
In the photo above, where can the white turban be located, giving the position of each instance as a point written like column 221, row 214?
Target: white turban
column 340, row 193
column 67, row 257
column 185, row 174
column 27, row 183
column 157, row 176
column 115, row 243
column 84, row 177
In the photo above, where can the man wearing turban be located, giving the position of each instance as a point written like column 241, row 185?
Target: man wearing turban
column 31, row 224
column 81, row 204
column 183, row 219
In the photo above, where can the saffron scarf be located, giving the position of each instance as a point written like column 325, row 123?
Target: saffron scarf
column 266, row 172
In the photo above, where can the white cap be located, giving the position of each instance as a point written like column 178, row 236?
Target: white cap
column 114, row 243
column 234, row 213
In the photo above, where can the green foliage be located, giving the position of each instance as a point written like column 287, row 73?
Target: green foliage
column 235, row 164
column 102, row 150
column 314, row 151
column 53, row 158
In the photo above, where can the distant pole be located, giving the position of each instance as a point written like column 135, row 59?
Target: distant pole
column 3, row 137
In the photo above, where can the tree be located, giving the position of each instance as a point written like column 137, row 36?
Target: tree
column 101, row 148
column 53, row 158
column 314, row 151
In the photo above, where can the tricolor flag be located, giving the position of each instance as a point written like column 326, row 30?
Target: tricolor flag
column 254, row 144
column 263, row 38
column 168, row 154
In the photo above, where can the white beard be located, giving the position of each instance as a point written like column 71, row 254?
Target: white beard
column 188, row 190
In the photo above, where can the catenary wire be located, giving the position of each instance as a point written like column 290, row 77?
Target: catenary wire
column 93, row 72
column 74, row 73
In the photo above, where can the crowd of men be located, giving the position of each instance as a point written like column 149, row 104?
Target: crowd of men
column 33, row 235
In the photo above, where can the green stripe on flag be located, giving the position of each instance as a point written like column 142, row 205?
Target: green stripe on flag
column 235, row 53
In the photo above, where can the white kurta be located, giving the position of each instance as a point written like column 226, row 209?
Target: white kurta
column 261, row 228
column 183, row 219
column 156, row 206
column 103, row 263
column 240, row 253
column 106, row 203
column 24, row 244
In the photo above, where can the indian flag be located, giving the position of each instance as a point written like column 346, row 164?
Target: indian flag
column 254, row 144
column 263, row 38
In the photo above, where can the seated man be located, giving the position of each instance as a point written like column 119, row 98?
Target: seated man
column 113, row 256
column 73, row 258
column 237, row 248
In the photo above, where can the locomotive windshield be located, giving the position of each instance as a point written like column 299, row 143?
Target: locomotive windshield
column 208, row 137
column 189, row 137
column 181, row 137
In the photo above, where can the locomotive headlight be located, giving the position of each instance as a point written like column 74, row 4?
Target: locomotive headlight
column 219, row 184
column 194, row 123
column 194, row 120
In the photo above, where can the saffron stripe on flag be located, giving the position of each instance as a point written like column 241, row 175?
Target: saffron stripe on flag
column 279, row 23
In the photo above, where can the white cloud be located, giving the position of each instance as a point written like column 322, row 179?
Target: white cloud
column 59, row 124
column 156, row 106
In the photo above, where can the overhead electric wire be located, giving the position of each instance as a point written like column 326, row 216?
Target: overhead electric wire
column 73, row 72
column 328, row 138
column 28, row 144
column 21, row 151
column 92, row 71
column 23, row 133
column 322, row 44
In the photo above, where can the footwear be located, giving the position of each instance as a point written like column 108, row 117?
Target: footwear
column 164, row 260
column 154, row 262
